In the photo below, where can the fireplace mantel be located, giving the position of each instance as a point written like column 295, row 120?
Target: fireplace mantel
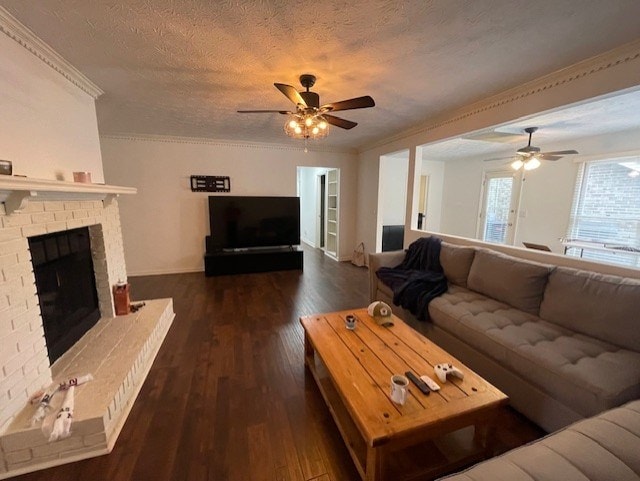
column 16, row 192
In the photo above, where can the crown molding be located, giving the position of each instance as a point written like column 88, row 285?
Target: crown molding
column 172, row 139
column 18, row 32
column 620, row 55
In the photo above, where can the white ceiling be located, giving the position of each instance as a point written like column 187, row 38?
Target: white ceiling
column 183, row 67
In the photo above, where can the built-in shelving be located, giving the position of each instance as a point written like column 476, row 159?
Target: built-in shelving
column 332, row 216
column 16, row 192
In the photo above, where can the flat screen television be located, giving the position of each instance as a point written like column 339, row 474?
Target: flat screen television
column 239, row 222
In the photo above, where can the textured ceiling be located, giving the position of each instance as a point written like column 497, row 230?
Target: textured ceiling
column 183, row 67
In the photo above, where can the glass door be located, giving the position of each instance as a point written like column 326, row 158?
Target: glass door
column 499, row 205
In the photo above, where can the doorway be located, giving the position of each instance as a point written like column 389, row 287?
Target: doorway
column 500, row 193
column 319, row 189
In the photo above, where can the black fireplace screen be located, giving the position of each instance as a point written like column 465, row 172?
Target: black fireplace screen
column 66, row 287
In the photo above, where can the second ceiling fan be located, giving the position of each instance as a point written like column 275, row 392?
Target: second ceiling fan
column 530, row 156
column 530, row 150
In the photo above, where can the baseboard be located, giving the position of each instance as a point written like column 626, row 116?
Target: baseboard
column 161, row 272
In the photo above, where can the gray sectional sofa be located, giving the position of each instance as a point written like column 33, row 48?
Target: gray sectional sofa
column 564, row 344
column 605, row 447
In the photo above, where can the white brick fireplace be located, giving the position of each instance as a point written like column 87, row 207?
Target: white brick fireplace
column 34, row 208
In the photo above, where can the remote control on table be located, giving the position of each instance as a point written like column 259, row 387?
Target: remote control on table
column 420, row 384
column 431, row 383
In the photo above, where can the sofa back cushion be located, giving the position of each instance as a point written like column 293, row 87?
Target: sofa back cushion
column 456, row 262
column 514, row 281
column 598, row 305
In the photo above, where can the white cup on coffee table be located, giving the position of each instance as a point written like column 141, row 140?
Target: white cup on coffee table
column 399, row 388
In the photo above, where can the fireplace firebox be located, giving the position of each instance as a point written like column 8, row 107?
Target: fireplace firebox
column 66, row 286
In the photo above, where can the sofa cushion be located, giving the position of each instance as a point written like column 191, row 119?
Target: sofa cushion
column 582, row 372
column 517, row 282
column 601, row 306
column 603, row 447
column 456, row 262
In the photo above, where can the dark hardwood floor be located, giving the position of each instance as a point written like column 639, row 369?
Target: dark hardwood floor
column 227, row 397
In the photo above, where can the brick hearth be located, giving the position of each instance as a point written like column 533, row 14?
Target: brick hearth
column 118, row 351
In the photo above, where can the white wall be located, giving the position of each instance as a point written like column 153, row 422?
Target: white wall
column 308, row 191
column 462, row 188
column 392, row 198
column 545, row 204
column 366, row 220
column 48, row 126
column 164, row 226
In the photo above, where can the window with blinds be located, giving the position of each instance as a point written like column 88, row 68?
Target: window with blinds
column 605, row 215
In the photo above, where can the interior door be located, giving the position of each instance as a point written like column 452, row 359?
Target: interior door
column 499, row 206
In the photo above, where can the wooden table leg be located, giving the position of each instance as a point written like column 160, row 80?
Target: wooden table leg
column 485, row 435
column 374, row 467
column 309, row 352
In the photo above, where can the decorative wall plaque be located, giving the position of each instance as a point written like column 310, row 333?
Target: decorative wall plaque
column 210, row 183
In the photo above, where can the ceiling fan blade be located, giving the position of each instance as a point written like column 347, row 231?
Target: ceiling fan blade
column 549, row 157
column 560, row 152
column 351, row 104
column 498, row 158
column 284, row 112
column 291, row 93
column 338, row 122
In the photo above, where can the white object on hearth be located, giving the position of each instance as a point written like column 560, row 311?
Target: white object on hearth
column 62, row 424
column 46, row 397
column 76, row 381
column 43, row 405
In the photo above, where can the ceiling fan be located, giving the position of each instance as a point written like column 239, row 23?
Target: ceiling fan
column 530, row 156
column 310, row 119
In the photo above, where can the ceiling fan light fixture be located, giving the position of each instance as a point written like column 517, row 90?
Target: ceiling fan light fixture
column 306, row 126
column 517, row 164
column 532, row 163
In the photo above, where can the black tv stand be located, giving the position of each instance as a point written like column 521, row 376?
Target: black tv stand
column 244, row 261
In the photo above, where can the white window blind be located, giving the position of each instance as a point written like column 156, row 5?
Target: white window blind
column 606, row 211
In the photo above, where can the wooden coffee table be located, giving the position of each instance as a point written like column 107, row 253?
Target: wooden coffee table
column 386, row 440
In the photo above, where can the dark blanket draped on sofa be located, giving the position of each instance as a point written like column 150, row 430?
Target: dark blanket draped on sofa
column 418, row 279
